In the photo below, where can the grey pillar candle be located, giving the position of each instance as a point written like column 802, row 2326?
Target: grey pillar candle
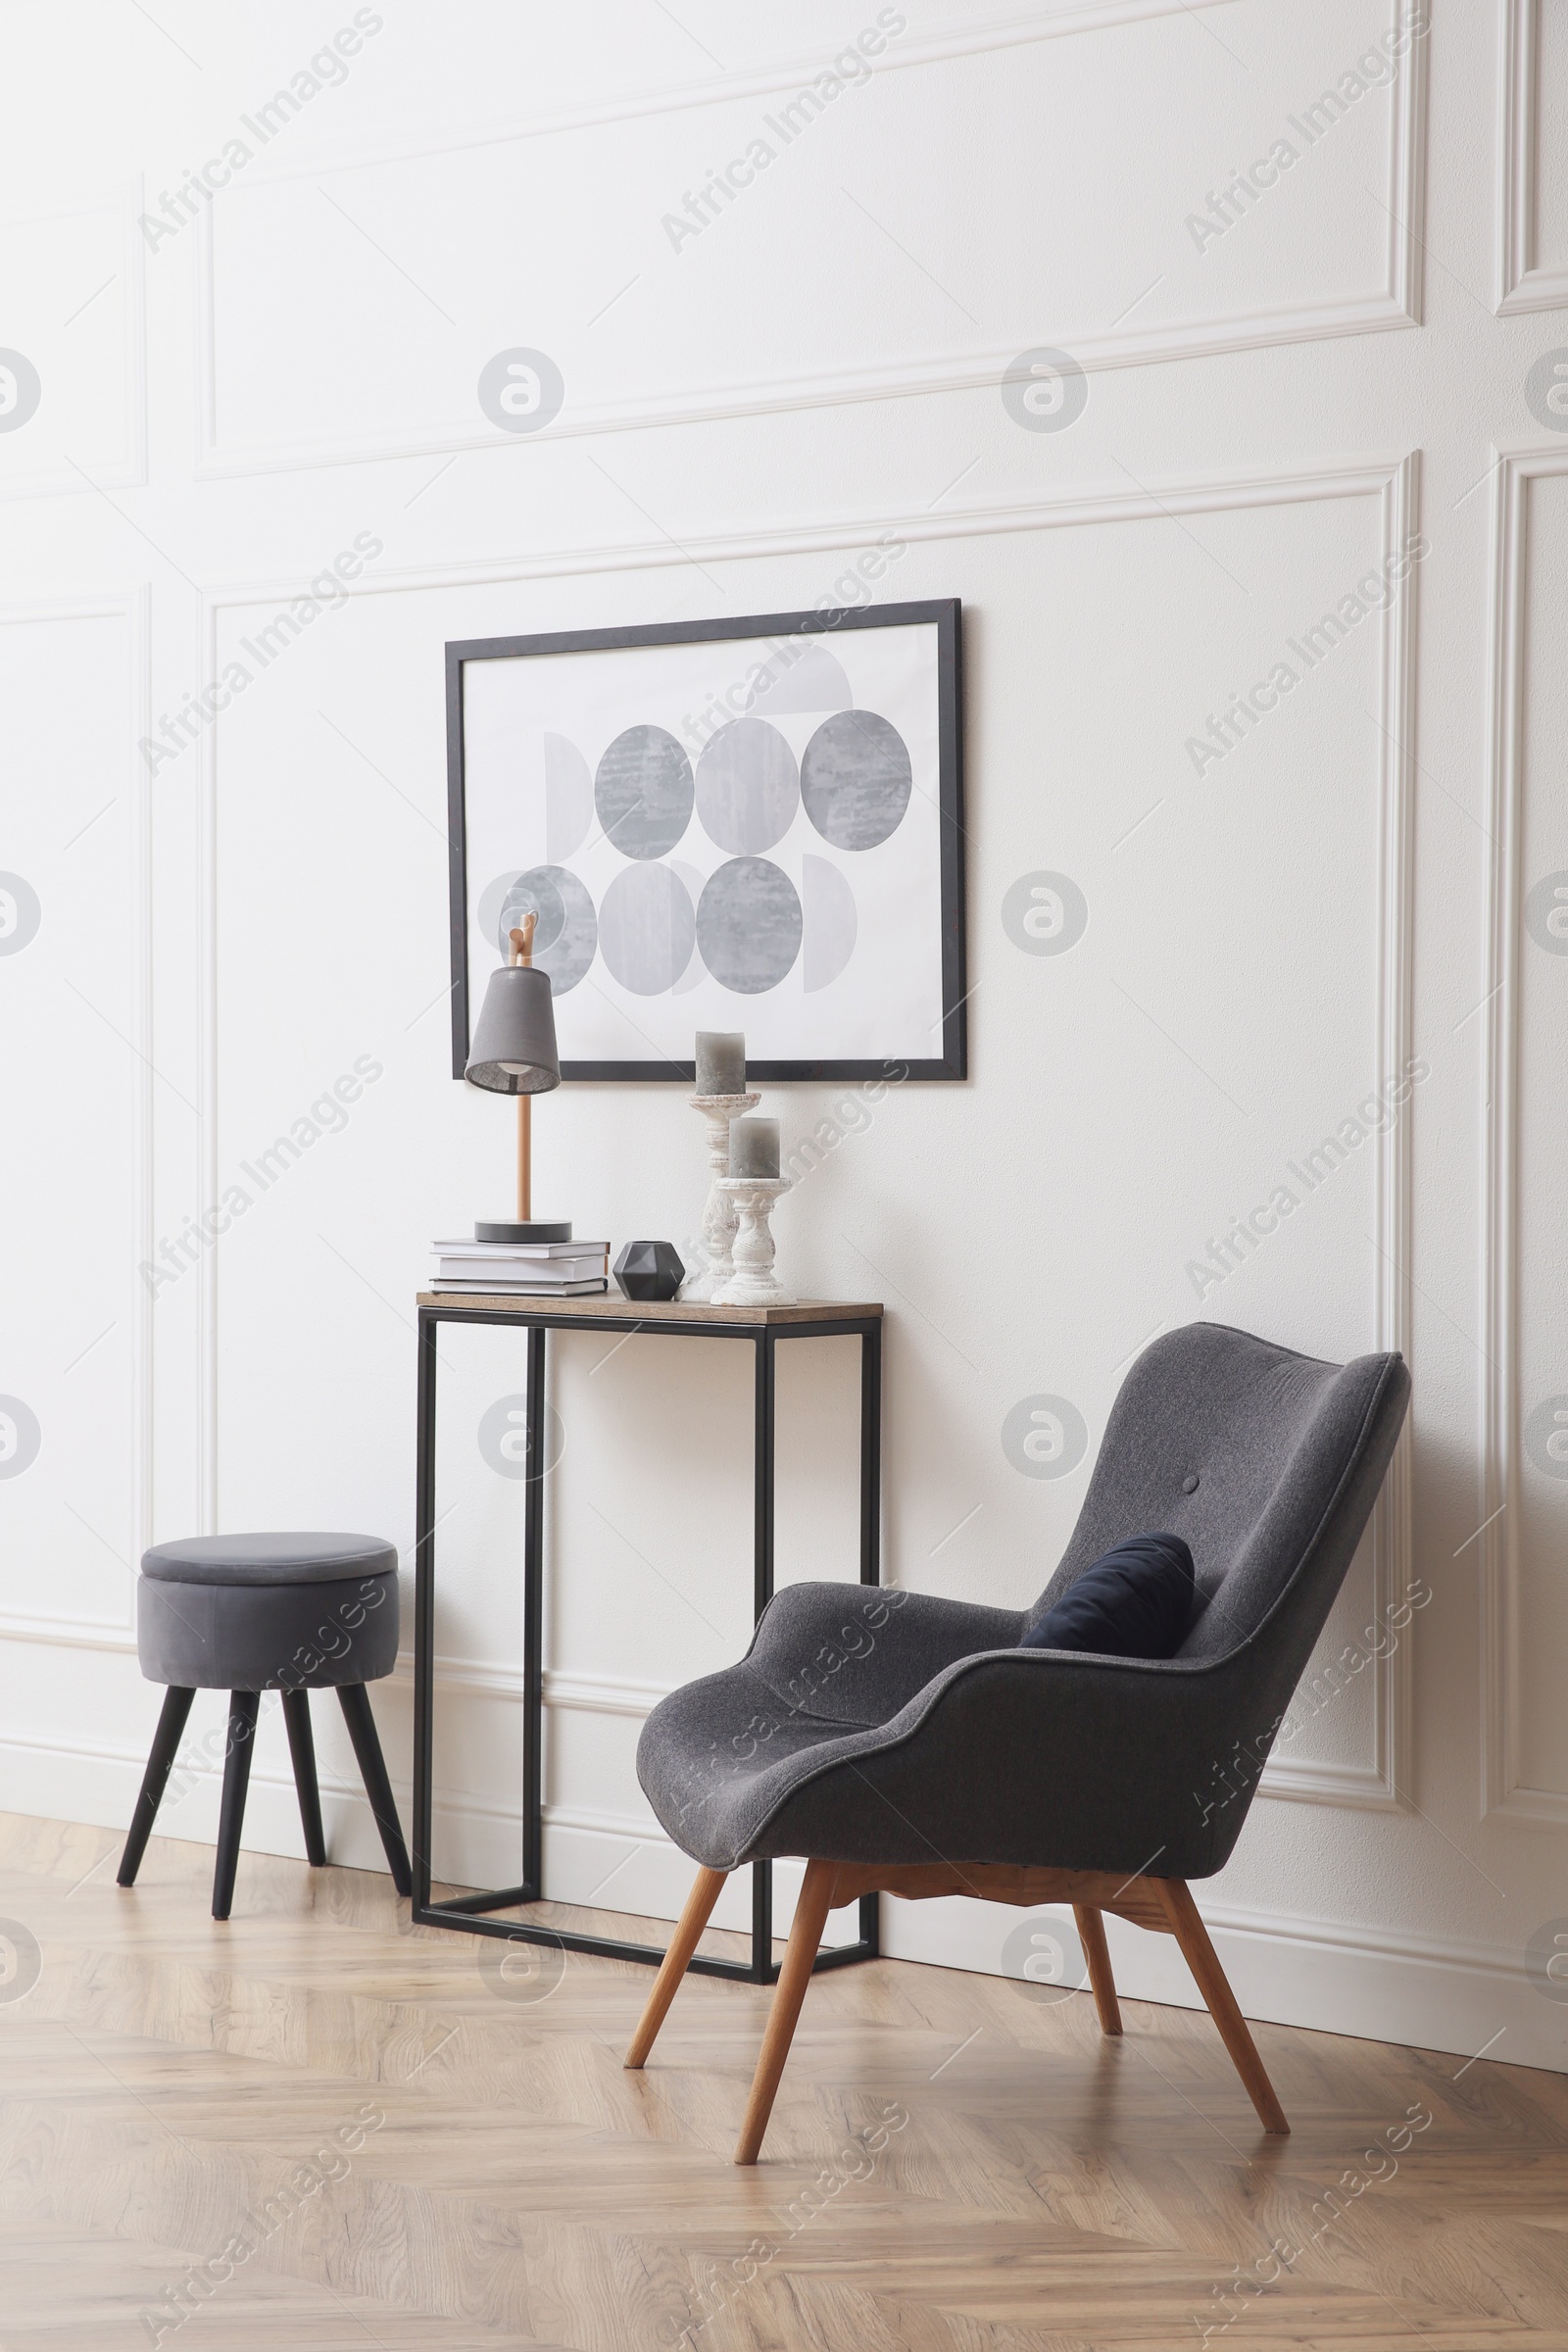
column 754, row 1146
column 720, row 1061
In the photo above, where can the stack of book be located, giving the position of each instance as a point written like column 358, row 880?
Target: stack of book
column 546, row 1269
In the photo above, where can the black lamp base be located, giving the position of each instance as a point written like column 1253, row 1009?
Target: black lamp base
column 532, row 1232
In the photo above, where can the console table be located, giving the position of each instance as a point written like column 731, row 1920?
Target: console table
column 762, row 1328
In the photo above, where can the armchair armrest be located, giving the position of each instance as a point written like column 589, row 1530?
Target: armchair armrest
column 1043, row 1757
column 858, row 1654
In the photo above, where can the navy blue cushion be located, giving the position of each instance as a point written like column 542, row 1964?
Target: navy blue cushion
column 1133, row 1603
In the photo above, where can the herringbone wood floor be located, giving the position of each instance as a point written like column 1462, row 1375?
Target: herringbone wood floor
column 170, row 2091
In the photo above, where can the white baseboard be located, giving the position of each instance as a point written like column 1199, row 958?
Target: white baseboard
column 1286, row 1970
column 1290, row 1971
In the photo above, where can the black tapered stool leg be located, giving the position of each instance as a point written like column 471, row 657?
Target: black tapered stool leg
column 302, row 1747
column 155, row 1780
column 377, row 1787
column 243, row 1706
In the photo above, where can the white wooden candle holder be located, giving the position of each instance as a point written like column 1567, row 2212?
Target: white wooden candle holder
column 719, row 1217
column 754, row 1282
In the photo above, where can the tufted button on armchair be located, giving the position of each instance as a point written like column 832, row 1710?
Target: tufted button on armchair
column 915, row 1749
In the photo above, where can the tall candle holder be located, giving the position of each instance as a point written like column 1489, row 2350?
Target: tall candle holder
column 754, row 1282
column 719, row 1217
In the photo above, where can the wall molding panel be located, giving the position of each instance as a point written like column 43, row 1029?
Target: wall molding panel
column 1377, row 1782
column 76, row 471
column 1396, row 303
column 1503, row 1790
column 1524, row 284
column 131, row 608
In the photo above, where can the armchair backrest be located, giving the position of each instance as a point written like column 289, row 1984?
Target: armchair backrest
column 1266, row 1462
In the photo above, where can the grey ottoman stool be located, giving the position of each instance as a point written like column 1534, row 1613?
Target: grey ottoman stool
column 250, row 1613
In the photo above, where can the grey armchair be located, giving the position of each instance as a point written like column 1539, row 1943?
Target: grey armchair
column 906, row 1744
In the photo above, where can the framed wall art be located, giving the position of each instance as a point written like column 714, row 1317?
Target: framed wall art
column 724, row 825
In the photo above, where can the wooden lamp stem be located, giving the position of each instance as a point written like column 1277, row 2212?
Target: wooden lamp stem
column 522, row 953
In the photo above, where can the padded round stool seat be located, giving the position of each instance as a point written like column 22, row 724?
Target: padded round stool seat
column 301, row 1612
column 310, row 1559
column 293, row 1612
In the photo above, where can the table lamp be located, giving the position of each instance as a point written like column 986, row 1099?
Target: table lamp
column 513, row 1052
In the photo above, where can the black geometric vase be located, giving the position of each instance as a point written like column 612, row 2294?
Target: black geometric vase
column 649, row 1270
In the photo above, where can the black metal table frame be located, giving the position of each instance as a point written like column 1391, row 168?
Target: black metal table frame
column 467, row 1911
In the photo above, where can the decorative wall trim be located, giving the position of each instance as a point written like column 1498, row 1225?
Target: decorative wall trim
column 1015, row 31
column 132, row 1762
column 1360, row 1788
column 1501, row 1632
column 468, row 1678
column 1370, row 1786
column 130, row 473
column 1396, row 303
column 1521, row 283
column 206, row 1084
column 1393, row 1549
column 130, row 606
column 1364, row 477
column 65, row 1633
column 482, row 1678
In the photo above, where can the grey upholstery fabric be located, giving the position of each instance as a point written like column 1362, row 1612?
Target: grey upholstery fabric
column 876, row 1726
column 266, row 1559
column 268, row 1612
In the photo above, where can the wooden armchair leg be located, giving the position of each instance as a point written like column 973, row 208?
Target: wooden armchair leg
column 811, row 1918
column 693, row 1919
column 1092, row 1935
column 1203, row 1961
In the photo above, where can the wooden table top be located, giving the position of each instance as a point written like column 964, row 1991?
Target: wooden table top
column 599, row 1304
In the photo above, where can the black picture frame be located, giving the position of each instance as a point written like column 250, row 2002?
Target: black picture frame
column 945, row 614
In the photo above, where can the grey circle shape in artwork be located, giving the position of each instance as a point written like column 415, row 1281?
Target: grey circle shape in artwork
column 21, row 1961
column 20, row 913
column 643, row 792
column 1045, row 390
column 748, row 787
column 21, row 390
column 1546, row 391
column 504, row 1436
column 832, row 922
column 1547, row 1437
column 1044, row 1437
column 520, row 1968
column 569, row 797
column 566, row 934
column 856, row 779
column 521, row 390
column 1044, row 1958
column 1547, row 1959
column 1545, row 913
column 800, row 677
column 20, row 1437
column 1045, row 913
column 646, row 929
column 749, row 925
column 694, row 975
column 487, row 914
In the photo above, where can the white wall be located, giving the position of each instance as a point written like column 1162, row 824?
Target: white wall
column 1271, row 413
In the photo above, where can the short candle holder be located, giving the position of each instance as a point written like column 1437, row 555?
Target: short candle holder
column 754, row 1282
column 719, row 1217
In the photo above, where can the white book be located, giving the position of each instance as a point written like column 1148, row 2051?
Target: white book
column 512, row 1286
column 488, row 1251
column 561, row 1269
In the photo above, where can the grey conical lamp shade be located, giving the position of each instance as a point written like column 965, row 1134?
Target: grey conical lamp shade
column 514, row 1050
